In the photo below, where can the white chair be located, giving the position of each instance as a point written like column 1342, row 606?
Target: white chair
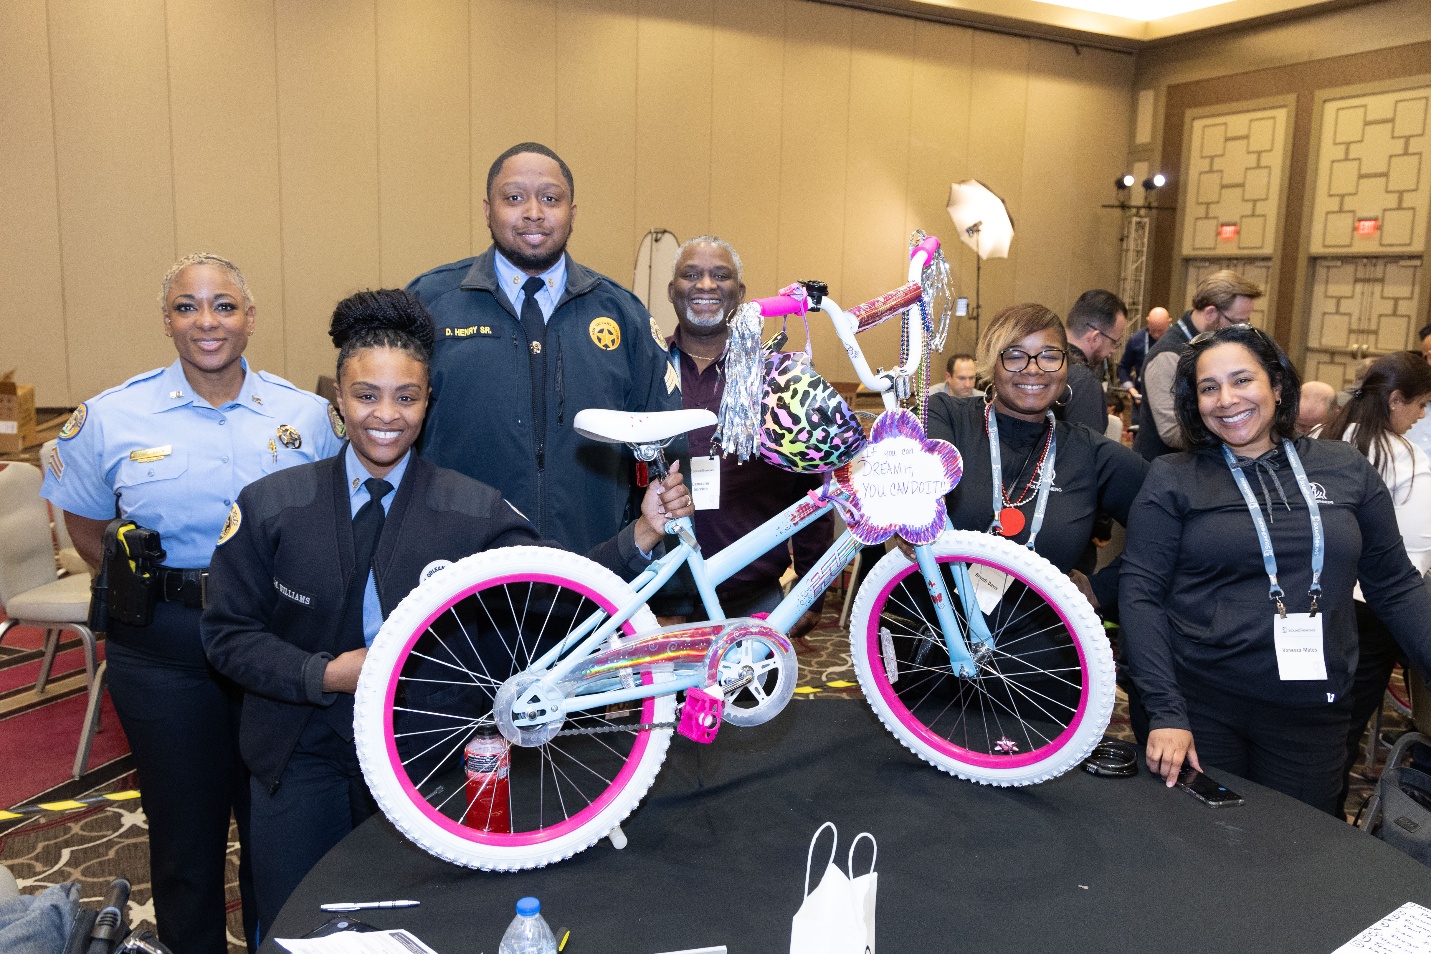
column 32, row 596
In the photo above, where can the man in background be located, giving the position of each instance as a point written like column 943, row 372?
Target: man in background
column 1221, row 299
column 526, row 338
column 1319, row 402
column 732, row 499
column 1095, row 324
column 1130, row 366
column 958, row 377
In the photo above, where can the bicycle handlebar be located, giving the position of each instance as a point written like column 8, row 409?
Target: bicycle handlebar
column 777, row 305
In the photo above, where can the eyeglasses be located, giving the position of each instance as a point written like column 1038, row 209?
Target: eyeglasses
column 1016, row 360
column 1117, row 342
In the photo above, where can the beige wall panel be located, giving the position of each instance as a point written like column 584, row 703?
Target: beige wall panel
column 115, row 185
column 814, row 160
column 675, row 49
column 424, row 165
column 1066, row 243
column 747, row 97
column 513, row 97
column 997, row 117
column 596, row 128
column 876, row 177
column 226, row 181
column 32, row 321
column 327, row 112
column 939, row 153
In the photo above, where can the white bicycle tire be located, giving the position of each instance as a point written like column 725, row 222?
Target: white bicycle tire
column 389, row 650
column 1096, row 660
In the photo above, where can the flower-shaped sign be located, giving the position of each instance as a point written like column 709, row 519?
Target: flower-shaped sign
column 898, row 483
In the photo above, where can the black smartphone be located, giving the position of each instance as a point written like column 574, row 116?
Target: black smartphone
column 1207, row 791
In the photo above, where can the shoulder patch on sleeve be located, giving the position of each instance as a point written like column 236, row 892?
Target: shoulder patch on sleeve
column 656, row 333
column 335, row 420
column 673, row 379
column 73, row 425
column 231, row 524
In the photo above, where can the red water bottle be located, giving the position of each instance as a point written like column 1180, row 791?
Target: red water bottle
column 487, row 763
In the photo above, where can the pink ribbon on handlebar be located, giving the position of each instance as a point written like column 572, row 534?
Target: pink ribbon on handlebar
column 886, row 306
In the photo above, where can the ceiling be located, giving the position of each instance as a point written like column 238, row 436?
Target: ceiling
column 1153, row 23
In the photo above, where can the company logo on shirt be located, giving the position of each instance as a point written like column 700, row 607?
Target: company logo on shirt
column 606, row 333
column 1319, row 493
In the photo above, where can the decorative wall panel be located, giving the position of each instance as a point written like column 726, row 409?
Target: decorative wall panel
column 1373, row 187
column 1359, row 307
column 1232, row 183
column 1258, row 270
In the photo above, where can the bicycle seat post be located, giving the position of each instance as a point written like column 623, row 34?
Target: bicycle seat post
column 654, row 457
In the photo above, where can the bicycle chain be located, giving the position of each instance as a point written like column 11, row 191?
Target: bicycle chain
column 607, row 729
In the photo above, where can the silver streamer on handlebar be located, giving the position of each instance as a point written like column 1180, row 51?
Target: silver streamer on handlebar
column 938, row 285
column 738, row 421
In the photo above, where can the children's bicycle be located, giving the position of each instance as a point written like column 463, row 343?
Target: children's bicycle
column 979, row 656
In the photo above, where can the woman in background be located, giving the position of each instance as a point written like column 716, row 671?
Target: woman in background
column 1389, row 399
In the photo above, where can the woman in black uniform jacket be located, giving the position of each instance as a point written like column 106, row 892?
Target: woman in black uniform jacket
column 1024, row 351
column 1197, row 601
column 293, row 606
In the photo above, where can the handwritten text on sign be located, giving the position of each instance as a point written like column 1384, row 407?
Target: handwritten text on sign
column 900, row 483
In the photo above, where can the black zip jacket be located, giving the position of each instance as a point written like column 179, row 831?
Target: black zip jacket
column 276, row 587
column 601, row 351
column 1091, row 474
column 1194, row 592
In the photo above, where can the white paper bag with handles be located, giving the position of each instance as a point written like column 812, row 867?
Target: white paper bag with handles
column 838, row 917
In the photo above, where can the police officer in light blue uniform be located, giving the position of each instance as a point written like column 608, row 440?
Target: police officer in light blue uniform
column 170, row 450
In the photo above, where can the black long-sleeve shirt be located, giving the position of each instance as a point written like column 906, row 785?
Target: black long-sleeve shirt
column 1091, row 473
column 1194, row 592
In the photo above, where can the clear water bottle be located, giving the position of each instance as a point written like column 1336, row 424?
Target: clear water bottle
column 528, row 933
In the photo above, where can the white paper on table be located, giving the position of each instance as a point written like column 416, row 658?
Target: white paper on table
column 1407, row 930
column 354, row 942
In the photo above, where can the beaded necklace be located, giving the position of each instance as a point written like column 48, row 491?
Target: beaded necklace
column 1029, row 487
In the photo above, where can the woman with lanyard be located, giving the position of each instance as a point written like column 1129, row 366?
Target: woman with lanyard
column 308, row 569
column 1236, row 591
column 170, row 450
column 1387, row 402
column 1037, row 481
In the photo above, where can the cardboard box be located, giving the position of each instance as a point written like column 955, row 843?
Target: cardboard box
column 17, row 417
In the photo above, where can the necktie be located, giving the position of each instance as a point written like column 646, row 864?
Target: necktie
column 536, row 330
column 367, row 527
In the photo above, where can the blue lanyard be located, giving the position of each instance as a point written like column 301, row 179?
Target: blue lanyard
column 1269, row 560
column 1045, row 476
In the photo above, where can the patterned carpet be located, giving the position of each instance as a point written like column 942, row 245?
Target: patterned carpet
column 94, row 844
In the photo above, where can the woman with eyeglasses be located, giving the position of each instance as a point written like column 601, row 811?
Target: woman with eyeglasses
column 1053, row 477
column 1388, row 401
column 1236, row 589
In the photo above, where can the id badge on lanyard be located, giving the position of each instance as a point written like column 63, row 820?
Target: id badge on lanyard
column 1297, row 637
column 705, row 483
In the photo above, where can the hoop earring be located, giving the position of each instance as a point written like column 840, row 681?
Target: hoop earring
column 989, row 395
column 1064, row 402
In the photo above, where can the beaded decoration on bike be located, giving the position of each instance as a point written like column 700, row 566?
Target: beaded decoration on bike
column 806, row 428
column 899, row 482
column 936, row 307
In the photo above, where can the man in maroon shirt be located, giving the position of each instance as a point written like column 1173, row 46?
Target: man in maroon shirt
column 732, row 499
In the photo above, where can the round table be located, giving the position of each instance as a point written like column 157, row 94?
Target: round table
column 1081, row 863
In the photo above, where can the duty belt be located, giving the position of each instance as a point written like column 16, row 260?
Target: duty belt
column 189, row 587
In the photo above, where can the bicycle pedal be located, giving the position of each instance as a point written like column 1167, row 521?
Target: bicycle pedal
column 700, row 716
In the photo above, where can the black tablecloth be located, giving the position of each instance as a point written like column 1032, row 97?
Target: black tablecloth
column 717, row 856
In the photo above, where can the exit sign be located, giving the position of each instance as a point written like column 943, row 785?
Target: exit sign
column 1226, row 233
column 1367, row 227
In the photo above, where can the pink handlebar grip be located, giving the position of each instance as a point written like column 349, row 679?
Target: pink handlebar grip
column 929, row 246
column 777, row 305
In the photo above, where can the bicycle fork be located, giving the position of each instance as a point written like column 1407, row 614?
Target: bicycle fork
column 962, row 642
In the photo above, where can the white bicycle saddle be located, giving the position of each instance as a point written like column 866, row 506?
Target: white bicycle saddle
column 626, row 427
